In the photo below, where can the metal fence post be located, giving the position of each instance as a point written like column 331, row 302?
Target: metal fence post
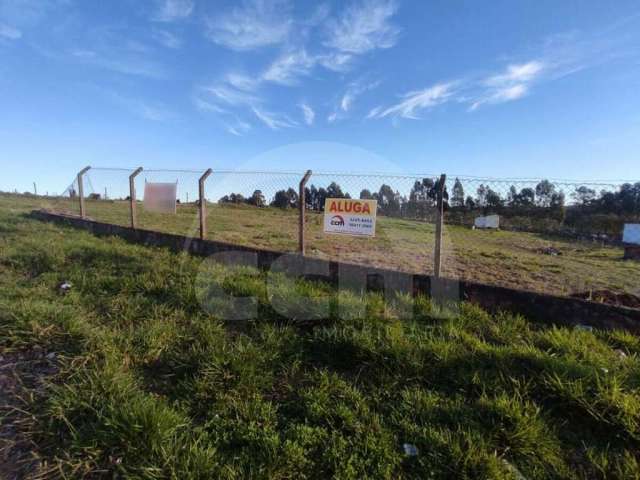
column 83, row 213
column 132, row 196
column 437, row 260
column 203, row 201
column 302, row 207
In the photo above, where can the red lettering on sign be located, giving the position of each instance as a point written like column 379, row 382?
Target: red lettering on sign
column 342, row 206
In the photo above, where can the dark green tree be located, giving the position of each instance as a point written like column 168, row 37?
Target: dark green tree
column 285, row 199
column 389, row 202
column 584, row 196
column 257, row 199
column 366, row 195
column 334, row 191
column 481, row 196
column 470, row 203
column 493, row 199
column 544, row 193
column 457, row 194
column 526, row 198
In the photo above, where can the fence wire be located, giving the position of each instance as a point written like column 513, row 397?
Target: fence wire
column 555, row 236
column 399, row 197
column 106, row 191
column 65, row 203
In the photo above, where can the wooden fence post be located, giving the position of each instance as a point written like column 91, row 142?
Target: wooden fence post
column 132, row 196
column 302, row 207
column 83, row 213
column 437, row 260
column 203, row 201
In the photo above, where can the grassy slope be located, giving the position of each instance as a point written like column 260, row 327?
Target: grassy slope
column 510, row 259
column 152, row 386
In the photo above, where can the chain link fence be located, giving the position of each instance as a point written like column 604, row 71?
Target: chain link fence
column 553, row 236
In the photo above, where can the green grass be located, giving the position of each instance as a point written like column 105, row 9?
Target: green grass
column 152, row 383
column 503, row 258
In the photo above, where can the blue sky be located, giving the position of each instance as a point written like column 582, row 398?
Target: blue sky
column 497, row 89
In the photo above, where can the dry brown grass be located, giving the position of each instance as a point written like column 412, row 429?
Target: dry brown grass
column 503, row 258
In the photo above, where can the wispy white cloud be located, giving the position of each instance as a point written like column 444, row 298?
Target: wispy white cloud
column 288, row 67
column 308, row 113
column 273, row 120
column 363, row 26
column 150, row 112
column 205, row 105
column 228, row 100
column 237, row 127
column 229, row 97
column 512, row 83
column 24, row 14
column 255, row 24
column 337, row 61
column 172, row 10
column 319, row 15
column 10, row 33
column 224, row 100
column 168, row 39
column 517, row 73
column 109, row 49
column 155, row 112
column 291, row 65
column 354, row 90
column 233, row 92
column 347, row 100
column 124, row 65
column 413, row 102
column 556, row 57
column 509, row 85
column 82, row 53
column 345, row 103
column 501, row 95
column 242, row 81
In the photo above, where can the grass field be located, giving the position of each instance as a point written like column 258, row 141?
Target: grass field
column 127, row 376
column 503, row 258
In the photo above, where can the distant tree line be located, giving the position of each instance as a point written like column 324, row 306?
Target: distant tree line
column 314, row 197
column 544, row 201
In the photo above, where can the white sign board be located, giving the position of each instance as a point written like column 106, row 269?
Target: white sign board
column 491, row 221
column 631, row 233
column 350, row 217
column 160, row 197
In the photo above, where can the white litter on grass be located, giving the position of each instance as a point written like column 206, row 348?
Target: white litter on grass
column 65, row 287
column 410, row 450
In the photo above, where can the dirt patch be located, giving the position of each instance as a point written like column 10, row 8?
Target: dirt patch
column 610, row 298
column 22, row 379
